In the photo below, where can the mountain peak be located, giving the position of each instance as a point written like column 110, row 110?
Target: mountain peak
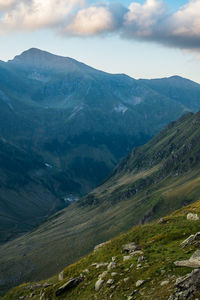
column 35, row 59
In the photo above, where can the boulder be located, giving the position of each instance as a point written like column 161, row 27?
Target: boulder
column 193, row 239
column 98, row 284
column 192, row 217
column 187, row 286
column 193, row 262
column 128, row 248
column 70, row 284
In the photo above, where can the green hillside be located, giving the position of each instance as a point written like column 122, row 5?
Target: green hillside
column 152, row 181
column 145, row 273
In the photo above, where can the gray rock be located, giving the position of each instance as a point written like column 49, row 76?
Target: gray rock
column 165, row 282
column 101, row 276
column 193, row 262
column 46, row 285
column 100, row 265
column 126, row 279
column 111, row 265
column 114, row 258
column 193, row 239
column 127, row 257
column 128, row 248
column 70, row 284
column 110, row 282
column 186, row 286
column 98, row 284
column 61, row 276
column 139, row 283
column 114, row 274
column 192, row 217
column 162, row 221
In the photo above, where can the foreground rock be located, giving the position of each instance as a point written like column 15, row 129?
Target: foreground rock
column 70, row 284
column 192, row 217
column 98, row 284
column 193, row 262
column 193, row 239
column 187, row 286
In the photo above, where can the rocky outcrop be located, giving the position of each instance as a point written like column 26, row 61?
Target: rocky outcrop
column 187, row 286
column 70, row 284
column 193, row 239
column 193, row 262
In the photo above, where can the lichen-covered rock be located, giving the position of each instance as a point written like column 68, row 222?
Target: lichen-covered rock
column 70, row 284
column 192, row 217
column 186, row 286
column 193, row 239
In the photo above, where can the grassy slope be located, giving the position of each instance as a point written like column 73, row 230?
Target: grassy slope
column 160, row 244
column 154, row 180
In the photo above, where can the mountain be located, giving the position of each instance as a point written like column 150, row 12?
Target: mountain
column 78, row 120
column 140, row 264
column 154, row 180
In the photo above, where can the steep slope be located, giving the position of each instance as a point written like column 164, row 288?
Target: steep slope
column 30, row 191
column 153, row 180
column 119, row 270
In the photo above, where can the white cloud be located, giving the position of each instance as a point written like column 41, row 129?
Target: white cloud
column 36, row 14
column 150, row 21
column 91, row 21
column 7, row 4
column 141, row 19
column 96, row 19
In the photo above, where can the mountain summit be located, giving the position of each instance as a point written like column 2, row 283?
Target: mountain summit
column 42, row 60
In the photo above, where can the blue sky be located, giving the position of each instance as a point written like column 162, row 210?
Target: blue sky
column 114, row 47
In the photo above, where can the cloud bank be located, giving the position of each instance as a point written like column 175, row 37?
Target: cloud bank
column 149, row 21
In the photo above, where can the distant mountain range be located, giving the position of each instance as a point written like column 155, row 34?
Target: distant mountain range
column 152, row 181
column 70, row 125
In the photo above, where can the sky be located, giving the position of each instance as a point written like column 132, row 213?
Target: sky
column 141, row 38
